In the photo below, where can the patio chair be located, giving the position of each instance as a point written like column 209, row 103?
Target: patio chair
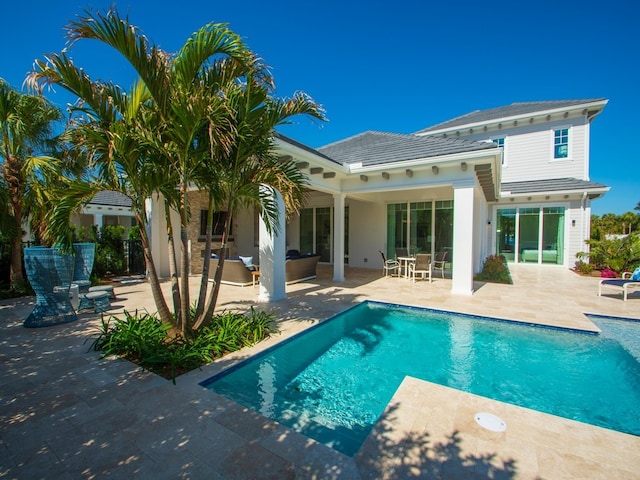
column 629, row 281
column 439, row 261
column 402, row 252
column 421, row 266
column 389, row 266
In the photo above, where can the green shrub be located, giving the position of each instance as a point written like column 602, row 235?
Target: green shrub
column 618, row 253
column 495, row 270
column 143, row 339
column 110, row 256
column 584, row 268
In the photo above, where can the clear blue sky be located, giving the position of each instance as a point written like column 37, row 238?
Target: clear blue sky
column 395, row 66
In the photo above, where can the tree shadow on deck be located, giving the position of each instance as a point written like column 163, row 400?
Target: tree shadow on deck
column 390, row 454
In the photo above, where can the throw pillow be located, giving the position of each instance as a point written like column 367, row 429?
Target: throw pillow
column 636, row 275
column 248, row 261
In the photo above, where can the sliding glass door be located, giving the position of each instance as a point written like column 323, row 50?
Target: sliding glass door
column 316, row 232
column 531, row 234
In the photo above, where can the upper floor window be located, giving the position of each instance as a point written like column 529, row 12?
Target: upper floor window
column 500, row 143
column 561, row 143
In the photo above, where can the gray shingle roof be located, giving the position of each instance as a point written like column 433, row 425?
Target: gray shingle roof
column 515, row 109
column 374, row 148
column 111, row 198
column 293, row 142
column 551, row 185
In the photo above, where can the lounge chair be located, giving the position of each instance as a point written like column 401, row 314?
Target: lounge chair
column 421, row 266
column 389, row 266
column 440, row 261
column 629, row 281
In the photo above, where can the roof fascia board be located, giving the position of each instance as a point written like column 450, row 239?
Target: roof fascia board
column 525, row 116
column 476, row 156
column 302, row 154
column 579, row 191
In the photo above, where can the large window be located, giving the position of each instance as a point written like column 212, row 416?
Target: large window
column 420, row 227
column 561, row 143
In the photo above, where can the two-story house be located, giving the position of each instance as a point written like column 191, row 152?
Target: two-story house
column 512, row 180
column 543, row 212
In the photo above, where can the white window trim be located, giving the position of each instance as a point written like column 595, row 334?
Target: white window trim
column 553, row 146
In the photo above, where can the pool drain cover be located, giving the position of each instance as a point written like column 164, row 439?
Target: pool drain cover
column 490, row 422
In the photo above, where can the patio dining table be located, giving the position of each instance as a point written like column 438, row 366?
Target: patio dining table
column 404, row 264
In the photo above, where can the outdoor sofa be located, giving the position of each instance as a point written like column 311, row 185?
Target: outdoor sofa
column 235, row 271
column 238, row 271
column 300, row 267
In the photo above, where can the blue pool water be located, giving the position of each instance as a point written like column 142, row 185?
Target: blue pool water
column 332, row 382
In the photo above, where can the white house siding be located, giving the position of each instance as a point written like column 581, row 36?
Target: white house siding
column 529, row 150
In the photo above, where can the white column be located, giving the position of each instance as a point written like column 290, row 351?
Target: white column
column 272, row 255
column 157, row 232
column 98, row 219
column 338, row 237
column 463, row 239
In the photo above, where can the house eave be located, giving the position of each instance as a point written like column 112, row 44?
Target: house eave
column 589, row 109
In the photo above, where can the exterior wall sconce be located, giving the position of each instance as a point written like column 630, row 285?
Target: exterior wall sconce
column 463, row 166
column 573, row 223
column 385, row 175
column 566, row 114
column 364, row 178
column 435, row 170
column 409, row 172
column 301, row 165
column 529, row 198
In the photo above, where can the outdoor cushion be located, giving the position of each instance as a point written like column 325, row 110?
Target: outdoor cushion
column 248, row 261
column 635, row 276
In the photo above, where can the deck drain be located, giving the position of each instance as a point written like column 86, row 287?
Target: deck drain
column 490, row 422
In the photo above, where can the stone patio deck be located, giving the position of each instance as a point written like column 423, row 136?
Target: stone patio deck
column 67, row 413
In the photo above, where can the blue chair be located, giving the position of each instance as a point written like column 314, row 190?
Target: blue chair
column 49, row 273
column 83, row 266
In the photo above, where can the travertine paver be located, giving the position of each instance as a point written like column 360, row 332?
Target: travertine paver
column 67, row 413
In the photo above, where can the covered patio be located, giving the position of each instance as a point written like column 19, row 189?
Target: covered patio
column 66, row 413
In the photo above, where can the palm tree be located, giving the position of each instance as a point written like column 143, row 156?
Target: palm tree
column 27, row 124
column 246, row 174
column 184, row 120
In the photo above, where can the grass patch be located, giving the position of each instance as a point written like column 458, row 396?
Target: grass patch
column 143, row 339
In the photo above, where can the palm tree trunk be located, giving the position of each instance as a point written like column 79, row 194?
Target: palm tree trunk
column 154, row 282
column 204, row 279
column 205, row 319
column 13, row 177
column 184, row 267
column 173, row 266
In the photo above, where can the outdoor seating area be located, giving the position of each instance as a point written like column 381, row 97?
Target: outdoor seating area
column 408, row 266
column 61, row 282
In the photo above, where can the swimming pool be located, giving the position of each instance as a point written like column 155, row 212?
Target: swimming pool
column 333, row 381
